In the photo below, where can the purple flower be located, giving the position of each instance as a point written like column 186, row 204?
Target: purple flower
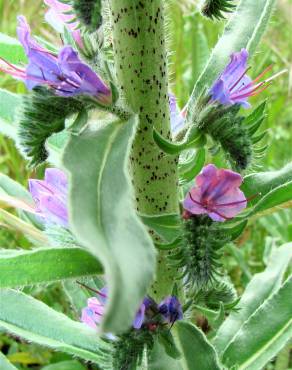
column 171, row 309
column 177, row 118
column 93, row 312
column 50, row 196
column 217, row 194
column 233, row 86
column 142, row 313
column 65, row 72
column 58, row 15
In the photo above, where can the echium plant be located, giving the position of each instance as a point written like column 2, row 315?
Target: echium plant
column 133, row 216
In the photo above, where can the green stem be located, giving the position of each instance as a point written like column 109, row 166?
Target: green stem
column 141, row 64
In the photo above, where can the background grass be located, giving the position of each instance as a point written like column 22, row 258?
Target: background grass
column 190, row 39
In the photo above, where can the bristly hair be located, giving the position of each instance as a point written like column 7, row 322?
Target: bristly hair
column 42, row 113
column 214, row 9
column 198, row 257
column 89, row 13
column 128, row 350
column 234, row 139
column 220, row 292
column 235, row 133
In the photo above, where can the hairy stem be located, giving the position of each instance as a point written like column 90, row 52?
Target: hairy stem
column 141, row 64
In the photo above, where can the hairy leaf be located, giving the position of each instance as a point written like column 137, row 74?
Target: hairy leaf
column 42, row 266
column 257, row 291
column 264, row 334
column 197, row 352
column 103, row 217
column 9, row 104
column 35, row 322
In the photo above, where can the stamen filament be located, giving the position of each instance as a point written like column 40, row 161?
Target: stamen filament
column 91, row 289
column 240, row 78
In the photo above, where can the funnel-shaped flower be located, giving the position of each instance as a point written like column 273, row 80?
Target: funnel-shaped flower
column 216, row 193
column 60, row 15
column 50, row 196
column 234, row 86
column 65, row 72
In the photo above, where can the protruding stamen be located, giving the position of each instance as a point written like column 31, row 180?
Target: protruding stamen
column 240, row 78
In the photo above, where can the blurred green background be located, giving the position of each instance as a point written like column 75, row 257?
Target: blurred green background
column 190, row 39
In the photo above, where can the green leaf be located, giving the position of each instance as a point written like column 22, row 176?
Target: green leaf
column 65, row 365
column 264, row 182
column 264, row 334
column 167, row 226
column 5, row 364
column 159, row 360
column 42, row 266
column 104, row 220
column 238, row 34
column 9, row 105
column 166, row 339
column 11, row 50
column 257, row 291
column 191, row 168
column 15, row 195
column 197, row 352
column 277, row 196
column 35, row 322
column 16, row 223
column 14, row 189
column 194, row 140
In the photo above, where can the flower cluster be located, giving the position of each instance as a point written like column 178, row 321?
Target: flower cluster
column 65, row 73
column 149, row 315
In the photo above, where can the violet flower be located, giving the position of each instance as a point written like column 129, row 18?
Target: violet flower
column 92, row 314
column 216, row 194
column 234, row 86
column 59, row 15
column 50, row 196
column 177, row 117
column 171, row 309
column 65, row 72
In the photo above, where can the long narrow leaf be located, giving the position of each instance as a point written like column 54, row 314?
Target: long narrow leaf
column 104, row 220
column 46, row 265
column 257, row 291
column 264, row 334
column 35, row 322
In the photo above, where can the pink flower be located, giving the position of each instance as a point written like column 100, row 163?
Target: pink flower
column 93, row 312
column 217, row 194
column 58, row 16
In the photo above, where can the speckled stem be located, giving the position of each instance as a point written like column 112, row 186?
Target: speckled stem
column 141, row 64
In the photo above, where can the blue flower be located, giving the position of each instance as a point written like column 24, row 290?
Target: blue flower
column 171, row 309
column 234, row 86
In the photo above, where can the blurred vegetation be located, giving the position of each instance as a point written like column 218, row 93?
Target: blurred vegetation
column 191, row 39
